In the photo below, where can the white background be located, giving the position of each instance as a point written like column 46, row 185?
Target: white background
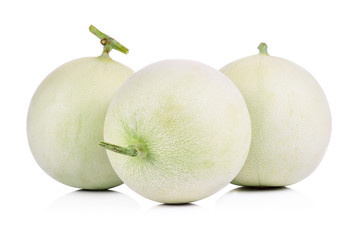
column 321, row 36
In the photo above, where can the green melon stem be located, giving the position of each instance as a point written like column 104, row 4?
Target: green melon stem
column 108, row 42
column 263, row 49
column 129, row 151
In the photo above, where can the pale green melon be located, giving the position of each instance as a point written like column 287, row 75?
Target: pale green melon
column 291, row 121
column 66, row 118
column 185, row 128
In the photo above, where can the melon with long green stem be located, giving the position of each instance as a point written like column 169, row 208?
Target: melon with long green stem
column 177, row 131
column 66, row 118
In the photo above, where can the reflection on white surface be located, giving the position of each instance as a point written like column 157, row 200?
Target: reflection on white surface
column 87, row 202
column 266, row 199
column 175, row 209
